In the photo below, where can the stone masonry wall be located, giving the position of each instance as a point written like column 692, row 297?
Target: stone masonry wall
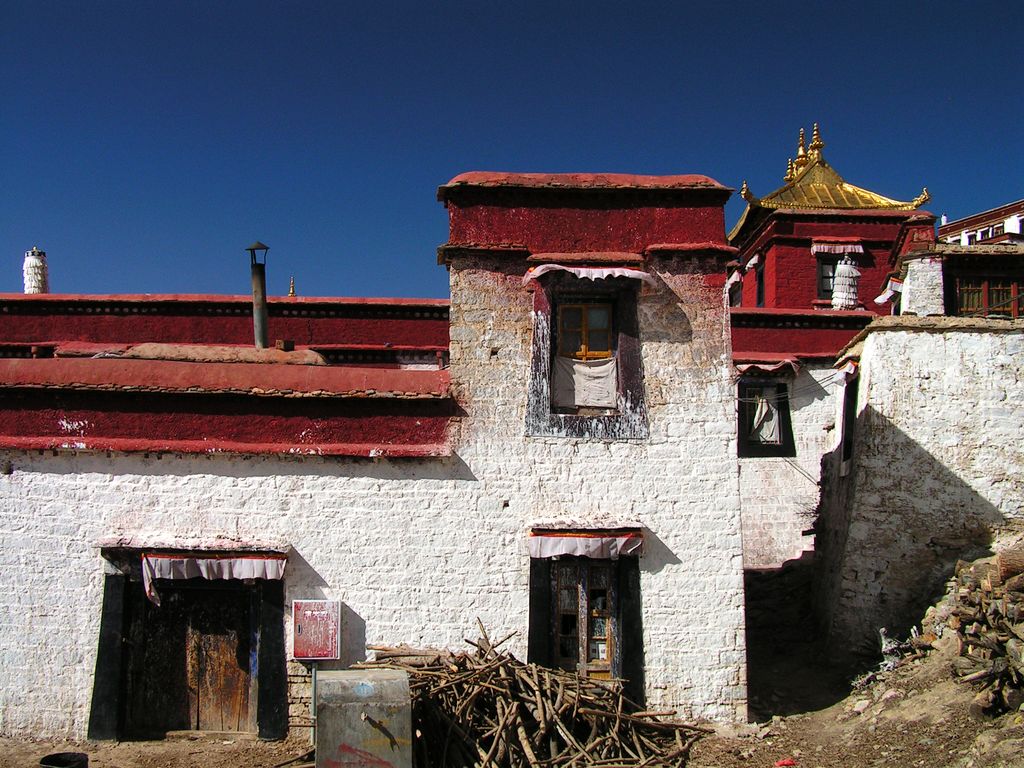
column 922, row 288
column 680, row 483
column 779, row 496
column 416, row 549
column 936, row 471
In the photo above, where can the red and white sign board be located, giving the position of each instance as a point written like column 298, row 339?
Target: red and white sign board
column 316, row 630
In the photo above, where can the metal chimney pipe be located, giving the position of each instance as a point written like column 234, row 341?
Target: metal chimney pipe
column 259, row 294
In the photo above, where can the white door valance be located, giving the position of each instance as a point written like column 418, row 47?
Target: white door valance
column 837, row 248
column 235, row 565
column 600, row 544
column 589, row 273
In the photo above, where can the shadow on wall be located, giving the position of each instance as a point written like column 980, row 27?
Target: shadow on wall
column 304, row 583
column 889, row 534
column 656, row 553
column 233, row 465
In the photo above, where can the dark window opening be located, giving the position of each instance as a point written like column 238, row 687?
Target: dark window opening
column 759, row 278
column 849, row 415
column 736, row 294
column 826, row 276
column 585, row 331
column 764, row 423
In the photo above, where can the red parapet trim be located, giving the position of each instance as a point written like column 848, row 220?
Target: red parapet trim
column 588, row 257
column 685, row 247
column 578, row 181
column 262, row 379
column 128, row 445
column 214, row 298
column 768, row 312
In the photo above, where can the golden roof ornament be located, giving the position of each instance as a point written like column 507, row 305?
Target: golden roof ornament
column 812, row 184
column 291, row 286
column 801, row 152
column 816, row 143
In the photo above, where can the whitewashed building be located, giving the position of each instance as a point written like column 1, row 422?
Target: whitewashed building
column 564, row 467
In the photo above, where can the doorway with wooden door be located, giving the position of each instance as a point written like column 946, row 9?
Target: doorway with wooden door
column 586, row 616
column 191, row 662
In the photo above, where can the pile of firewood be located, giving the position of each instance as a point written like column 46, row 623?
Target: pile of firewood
column 988, row 616
column 485, row 708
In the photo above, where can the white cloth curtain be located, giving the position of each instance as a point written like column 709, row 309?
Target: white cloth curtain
column 237, row 566
column 765, row 426
column 590, row 383
column 607, row 545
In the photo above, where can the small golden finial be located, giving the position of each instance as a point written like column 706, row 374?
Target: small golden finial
column 291, row 286
column 816, row 143
column 801, row 152
column 746, row 194
column 790, row 171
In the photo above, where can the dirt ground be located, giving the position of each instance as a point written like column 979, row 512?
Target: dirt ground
column 915, row 715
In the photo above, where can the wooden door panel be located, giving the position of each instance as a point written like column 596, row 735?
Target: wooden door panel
column 189, row 661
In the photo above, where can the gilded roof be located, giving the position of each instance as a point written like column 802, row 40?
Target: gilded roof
column 811, row 183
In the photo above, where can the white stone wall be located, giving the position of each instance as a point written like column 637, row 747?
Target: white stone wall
column 416, row 549
column 779, row 496
column 937, row 471
column 922, row 288
column 681, row 483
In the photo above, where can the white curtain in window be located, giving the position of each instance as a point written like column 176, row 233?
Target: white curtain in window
column 765, row 426
column 579, row 383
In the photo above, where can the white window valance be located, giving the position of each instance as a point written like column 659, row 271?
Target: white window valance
column 590, row 273
column 839, row 248
column 595, row 543
column 236, row 565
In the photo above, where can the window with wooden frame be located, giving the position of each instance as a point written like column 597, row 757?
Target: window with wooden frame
column 989, row 296
column 585, row 331
column 763, row 419
column 984, row 287
column 586, row 376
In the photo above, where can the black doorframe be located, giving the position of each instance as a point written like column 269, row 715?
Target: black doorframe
column 107, row 711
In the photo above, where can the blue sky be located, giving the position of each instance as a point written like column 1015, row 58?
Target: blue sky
column 144, row 144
